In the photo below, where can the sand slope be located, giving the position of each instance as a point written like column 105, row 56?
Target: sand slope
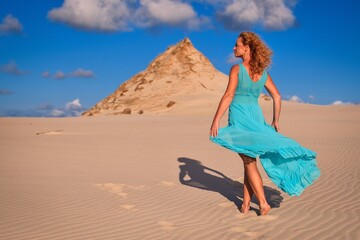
column 179, row 78
column 159, row 177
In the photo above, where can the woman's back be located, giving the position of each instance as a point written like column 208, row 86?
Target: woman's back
column 248, row 91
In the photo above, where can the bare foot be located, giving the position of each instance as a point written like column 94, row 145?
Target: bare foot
column 264, row 209
column 244, row 208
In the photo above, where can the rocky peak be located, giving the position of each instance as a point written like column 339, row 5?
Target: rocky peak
column 179, row 71
column 179, row 59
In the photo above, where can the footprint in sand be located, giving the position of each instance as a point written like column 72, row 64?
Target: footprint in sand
column 55, row 132
column 118, row 188
column 166, row 184
column 131, row 208
column 113, row 188
column 166, row 225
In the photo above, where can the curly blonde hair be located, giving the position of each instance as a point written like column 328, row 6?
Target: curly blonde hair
column 260, row 53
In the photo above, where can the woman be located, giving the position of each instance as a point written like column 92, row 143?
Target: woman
column 289, row 165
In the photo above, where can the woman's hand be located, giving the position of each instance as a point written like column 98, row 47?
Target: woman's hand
column 275, row 125
column 214, row 129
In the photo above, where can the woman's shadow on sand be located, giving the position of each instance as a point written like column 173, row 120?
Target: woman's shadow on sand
column 193, row 174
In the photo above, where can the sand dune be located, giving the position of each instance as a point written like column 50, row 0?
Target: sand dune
column 159, row 177
column 179, row 79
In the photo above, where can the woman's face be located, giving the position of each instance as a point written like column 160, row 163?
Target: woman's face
column 239, row 48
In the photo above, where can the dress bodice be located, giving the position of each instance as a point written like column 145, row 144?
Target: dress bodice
column 248, row 91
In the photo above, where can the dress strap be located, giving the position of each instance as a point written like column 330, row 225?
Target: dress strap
column 241, row 67
column 264, row 77
column 243, row 71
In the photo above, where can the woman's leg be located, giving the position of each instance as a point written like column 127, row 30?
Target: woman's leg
column 256, row 183
column 248, row 193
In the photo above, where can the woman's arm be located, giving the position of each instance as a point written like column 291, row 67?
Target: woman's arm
column 225, row 100
column 271, row 88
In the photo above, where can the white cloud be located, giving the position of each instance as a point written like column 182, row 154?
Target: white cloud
column 74, row 108
column 102, row 15
column 73, row 105
column 78, row 73
column 57, row 113
column 277, row 15
column 11, row 68
column 83, row 73
column 244, row 14
column 311, row 97
column 10, row 24
column 71, row 109
column 59, row 75
column 338, row 102
column 232, row 59
column 123, row 15
column 240, row 14
column 167, row 12
column 295, row 99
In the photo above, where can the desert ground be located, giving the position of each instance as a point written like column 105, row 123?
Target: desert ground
column 160, row 177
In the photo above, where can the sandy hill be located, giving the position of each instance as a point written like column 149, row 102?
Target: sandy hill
column 181, row 80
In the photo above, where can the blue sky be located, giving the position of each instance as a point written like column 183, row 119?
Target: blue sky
column 58, row 58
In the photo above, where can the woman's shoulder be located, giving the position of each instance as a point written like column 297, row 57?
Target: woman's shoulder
column 235, row 69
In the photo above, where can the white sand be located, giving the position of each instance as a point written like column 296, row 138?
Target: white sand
column 123, row 177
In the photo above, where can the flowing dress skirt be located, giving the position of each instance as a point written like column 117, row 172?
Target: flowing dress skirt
column 289, row 165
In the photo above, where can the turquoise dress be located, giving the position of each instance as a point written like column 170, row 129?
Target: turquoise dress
column 289, row 165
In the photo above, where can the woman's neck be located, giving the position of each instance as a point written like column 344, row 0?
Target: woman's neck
column 246, row 59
